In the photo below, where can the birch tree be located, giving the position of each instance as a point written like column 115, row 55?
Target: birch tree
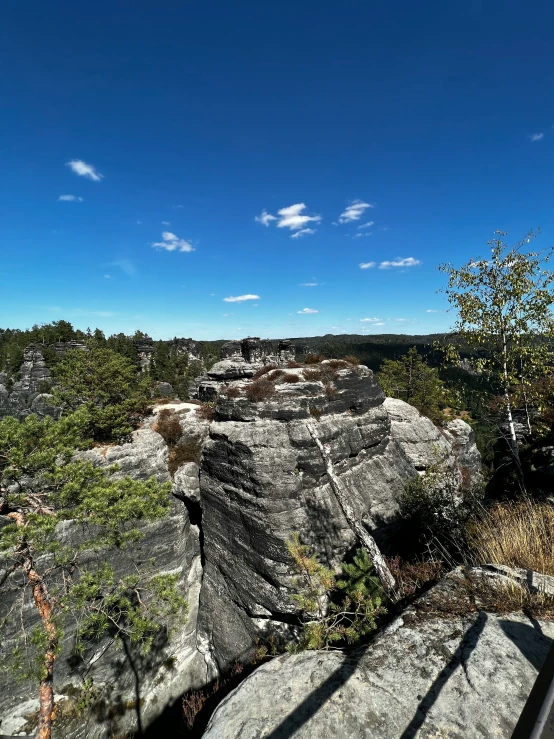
column 503, row 305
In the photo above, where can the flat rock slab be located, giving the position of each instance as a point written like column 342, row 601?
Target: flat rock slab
column 447, row 678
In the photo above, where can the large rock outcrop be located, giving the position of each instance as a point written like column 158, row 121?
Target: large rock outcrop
column 262, row 478
column 429, row 674
column 171, row 545
column 26, row 394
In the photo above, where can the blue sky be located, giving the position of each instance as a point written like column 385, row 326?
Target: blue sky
column 197, row 138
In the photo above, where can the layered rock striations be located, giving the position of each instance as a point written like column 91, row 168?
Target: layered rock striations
column 26, row 394
column 262, row 478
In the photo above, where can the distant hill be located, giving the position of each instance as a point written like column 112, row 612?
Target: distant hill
column 370, row 350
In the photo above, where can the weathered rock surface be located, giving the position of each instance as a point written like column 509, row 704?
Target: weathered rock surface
column 262, row 478
column 25, row 396
column 170, row 545
column 427, row 675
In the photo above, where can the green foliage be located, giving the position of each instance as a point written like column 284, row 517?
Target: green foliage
column 49, row 487
column 359, row 576
column 412, row 380
column 133, row 608
column 106, row 384
column 503, row 304
column 326, row 621
column 434, row 508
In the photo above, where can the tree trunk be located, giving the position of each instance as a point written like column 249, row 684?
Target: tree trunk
column 357, row 527
column 43, row 604
column 513, row 437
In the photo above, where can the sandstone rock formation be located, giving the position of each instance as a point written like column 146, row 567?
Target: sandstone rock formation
column 429, row 674
column 262, row 478
column 25, row 396
column 171, row 545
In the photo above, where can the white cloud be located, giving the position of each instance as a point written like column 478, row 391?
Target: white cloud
column 84, row 170
column 309, row 284
column 107, row 277
column 179, row 206
column 369, row 224
column 166, row 223
column 302, row 232
column 537, row 136
column 367, row 320
column 265, row 218
column 291, row 217
column 355, row 211
column 430, row 310
column 398, row 262
column 241, row 298
column 400, row 320
column 379, row 324
column 304, row 311
column 367, row 265
column 171, row 242
column 71, row 198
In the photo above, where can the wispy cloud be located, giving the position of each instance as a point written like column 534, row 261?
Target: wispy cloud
column 291, row 217
column 139, row 223
column 305, row 311
column 107, row 277
column 166, row 223
column 362, row 234
column 309, row 284
column 367, row 265
column 240, row 298
column 431, row 310
column 71, row 198
column 537, row 136
column 125, row 265
column 302, row 232
column 84, row 170
column 265, row 218
column 369, row 224
column 171, row 242
column 398, row 262
column 354, row 211
column 368, row 320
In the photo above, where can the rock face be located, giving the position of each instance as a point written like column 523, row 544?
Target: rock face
column 170, row 545
column 262, row 478
column 427, row 675
column 25, row 396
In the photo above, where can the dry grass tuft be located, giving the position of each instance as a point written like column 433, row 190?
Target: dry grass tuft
column 184, row 451
column 290, row 378
column 168, row 426
column 313, row 375
column 260, row 390
column 263, row 371
column 338, row 364
column 206, row 411
column 517, row 534
column 313, row 358
column 275, row 375
column 351, row 359
column 232, row 391
column 292, row 364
